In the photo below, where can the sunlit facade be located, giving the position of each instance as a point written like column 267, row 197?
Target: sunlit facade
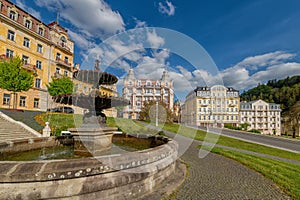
column 45, row 49
column 138, row 91
column 211, row 106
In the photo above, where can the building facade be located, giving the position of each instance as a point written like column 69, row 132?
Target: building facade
column 138, row 91
column 46, row 50
column 261, row 116
column 211, row 106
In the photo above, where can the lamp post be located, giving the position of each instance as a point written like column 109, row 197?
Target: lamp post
column 156, row 114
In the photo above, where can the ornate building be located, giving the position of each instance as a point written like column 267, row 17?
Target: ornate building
column 261, row 116
column 138, row 91
column 211, row 106
column 45, row 49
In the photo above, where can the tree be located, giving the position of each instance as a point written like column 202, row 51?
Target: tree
column 14, row 78
column 60, row 86
column 148, row 112
column 294, row 117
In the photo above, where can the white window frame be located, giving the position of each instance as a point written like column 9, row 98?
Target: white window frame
column 22, row 102
column 36, row 102
column 9, row 53
column 38, row 64
column 26, row 42
column 11, row 35
column 39, row 48
column 6, row 99
column 37, row 83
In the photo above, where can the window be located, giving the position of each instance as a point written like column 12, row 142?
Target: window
column 11, row 35
column 36, row 102
column 6, row 99
column 27, row 23
column 166, row 84
column 26, row 42
column 12, row 15
column 25, row 59
column 58, row 56
column 66, row 59
column 37, row 83
column 22, row 101
column 9, row 53
column 38, row 64
column 57, row 70
column 66, row 73
column 41, row 31
column 39, row 48
column 63, row 41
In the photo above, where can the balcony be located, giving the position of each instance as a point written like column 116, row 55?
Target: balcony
column 29, row 67
column 64, row 46
column 63, row 63
column 57, row 75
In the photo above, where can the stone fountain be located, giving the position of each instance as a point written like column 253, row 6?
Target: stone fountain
column 128, row 175
column 93, row 137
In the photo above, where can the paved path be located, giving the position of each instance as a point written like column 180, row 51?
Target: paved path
column 217, row 177
column 291, row 145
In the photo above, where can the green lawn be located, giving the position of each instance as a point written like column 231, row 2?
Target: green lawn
column 230, row 142
column 129, row 126
column 285, row 175
column 60, row 122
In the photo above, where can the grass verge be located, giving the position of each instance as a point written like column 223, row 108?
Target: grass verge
column 230, row 142
column 285, row 175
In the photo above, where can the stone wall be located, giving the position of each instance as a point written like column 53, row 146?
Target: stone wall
column 121, row 176
column 20, row 145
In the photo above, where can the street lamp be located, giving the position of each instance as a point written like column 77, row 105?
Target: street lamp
column 156, row 114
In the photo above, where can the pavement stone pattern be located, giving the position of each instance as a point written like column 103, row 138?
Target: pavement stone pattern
column 217, row 177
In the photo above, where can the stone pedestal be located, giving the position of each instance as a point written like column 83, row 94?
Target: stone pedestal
column 89, row 140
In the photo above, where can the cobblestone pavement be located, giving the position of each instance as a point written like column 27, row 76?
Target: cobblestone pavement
column 218, row 177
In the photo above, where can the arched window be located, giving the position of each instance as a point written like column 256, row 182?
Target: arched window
column 63, row 41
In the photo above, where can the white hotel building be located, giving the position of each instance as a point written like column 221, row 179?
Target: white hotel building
column 261, row 116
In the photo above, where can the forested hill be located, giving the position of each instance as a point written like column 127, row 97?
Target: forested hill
column 285, row 92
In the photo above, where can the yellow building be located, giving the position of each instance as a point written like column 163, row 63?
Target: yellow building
column 45, row 49
column 211, row 106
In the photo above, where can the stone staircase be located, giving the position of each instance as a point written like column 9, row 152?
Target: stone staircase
column 13, row 130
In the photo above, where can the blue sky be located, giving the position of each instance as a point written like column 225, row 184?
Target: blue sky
column 249, row 41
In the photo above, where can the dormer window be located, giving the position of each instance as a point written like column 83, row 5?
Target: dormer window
column 63, row 41
column 12, row 15
column 27, row 23
column 41, row 31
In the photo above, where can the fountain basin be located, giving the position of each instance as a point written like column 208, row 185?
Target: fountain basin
column 119, row 176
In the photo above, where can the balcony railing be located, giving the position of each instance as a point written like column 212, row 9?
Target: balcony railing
column 63, row 62
column 57, row 75
column 29, row 67
column 63, row 45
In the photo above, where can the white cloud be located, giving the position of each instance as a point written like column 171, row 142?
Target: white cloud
column 264, row 60
column 95, row 18
column 276, row 66
column 80, row 40
column 21, row 4
column 167, row 8
column 154, row 40
column 139, row 23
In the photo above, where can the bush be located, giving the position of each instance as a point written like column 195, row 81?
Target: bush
column 254, row 131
